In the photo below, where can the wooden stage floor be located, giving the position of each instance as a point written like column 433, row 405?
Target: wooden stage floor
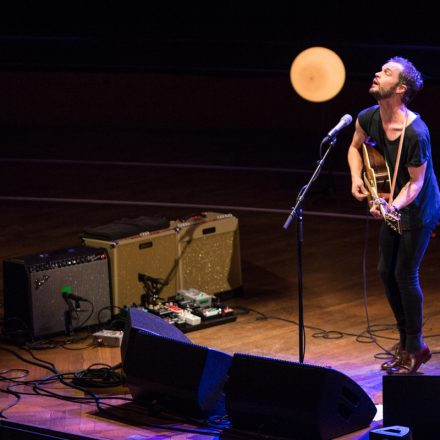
column 45, row 205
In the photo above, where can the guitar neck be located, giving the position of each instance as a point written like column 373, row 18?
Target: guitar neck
column 373, row 194
column 371, row 188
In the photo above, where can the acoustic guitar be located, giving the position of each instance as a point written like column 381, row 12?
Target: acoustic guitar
column 378, row 183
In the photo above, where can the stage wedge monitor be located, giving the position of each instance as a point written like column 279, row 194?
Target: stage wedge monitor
column 162, row 366
column 298, row 401
column 139, row 319
column 34, row 285
column 413, row 401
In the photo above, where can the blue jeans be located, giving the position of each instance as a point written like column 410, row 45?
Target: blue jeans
column 399, row 262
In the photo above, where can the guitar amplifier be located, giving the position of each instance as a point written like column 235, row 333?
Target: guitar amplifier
column 150, row 253
column 33, row 286
column 209, row 254
column 202, row 252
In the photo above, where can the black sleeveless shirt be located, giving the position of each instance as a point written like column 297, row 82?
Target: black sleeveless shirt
column 416, row 150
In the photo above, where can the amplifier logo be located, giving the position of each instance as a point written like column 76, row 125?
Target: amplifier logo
column 40, row 281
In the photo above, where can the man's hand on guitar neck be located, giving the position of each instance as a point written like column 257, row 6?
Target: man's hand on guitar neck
column 358, row 188
column 375, row 208
column 379, row 208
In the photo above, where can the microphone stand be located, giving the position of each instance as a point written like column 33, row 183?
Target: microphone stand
column 68, row 324
column 297, row 212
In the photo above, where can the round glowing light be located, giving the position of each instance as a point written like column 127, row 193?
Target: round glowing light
column 317, row 74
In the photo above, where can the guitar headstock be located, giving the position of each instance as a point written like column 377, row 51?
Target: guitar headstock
column 391, row 216
column 393, row 221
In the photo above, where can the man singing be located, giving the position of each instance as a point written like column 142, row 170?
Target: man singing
column 392, row 126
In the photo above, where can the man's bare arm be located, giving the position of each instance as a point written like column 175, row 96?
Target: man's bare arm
column 412, row 188
column 356, row 164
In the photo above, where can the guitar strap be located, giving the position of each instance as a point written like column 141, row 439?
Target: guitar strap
column 396, row 166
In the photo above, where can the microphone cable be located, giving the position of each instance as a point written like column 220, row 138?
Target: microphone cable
column 371, row 336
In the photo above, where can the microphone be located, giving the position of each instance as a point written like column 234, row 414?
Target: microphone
column 143, row 277
column 67, row 293
column 74, row 297
column 345, row 120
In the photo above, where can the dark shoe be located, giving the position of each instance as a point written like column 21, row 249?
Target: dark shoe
column 412, row 361
column 399, row 354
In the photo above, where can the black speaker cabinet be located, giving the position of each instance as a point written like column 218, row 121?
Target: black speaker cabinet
column 413, row 401
column 299, row 401
column 163, row 366
column 141, row 320
column 33, row 301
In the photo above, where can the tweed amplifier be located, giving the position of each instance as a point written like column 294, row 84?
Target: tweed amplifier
column 201, row 252
column 209, row 253
column 149, row 253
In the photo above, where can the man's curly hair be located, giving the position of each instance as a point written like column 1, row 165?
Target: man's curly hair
column 409, row 76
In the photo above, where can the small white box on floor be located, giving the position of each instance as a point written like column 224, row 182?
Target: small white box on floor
column 112, row 338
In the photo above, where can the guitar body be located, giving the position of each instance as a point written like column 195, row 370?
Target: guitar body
column 377, row 181
column 376, row 172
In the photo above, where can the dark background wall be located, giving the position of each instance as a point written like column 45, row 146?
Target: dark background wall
column 195, row 81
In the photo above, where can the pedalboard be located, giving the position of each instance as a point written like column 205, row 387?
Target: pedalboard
column 190, row 309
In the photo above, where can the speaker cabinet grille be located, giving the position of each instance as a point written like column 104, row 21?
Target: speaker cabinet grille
column 209, row 253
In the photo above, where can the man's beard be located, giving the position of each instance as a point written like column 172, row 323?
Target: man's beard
column 379, row 94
